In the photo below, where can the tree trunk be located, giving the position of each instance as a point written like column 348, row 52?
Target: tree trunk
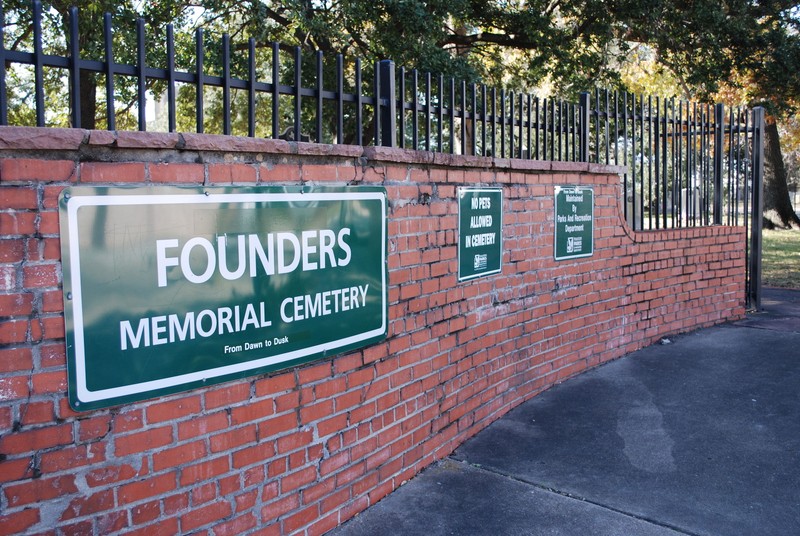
column 778, row 211
column 88, row 100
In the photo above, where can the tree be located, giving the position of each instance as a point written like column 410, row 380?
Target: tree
column 752, row 45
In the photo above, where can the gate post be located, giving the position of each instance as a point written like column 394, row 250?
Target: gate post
column 585, row 107
column 719, row 154
column 388, row 111
column 756, row 211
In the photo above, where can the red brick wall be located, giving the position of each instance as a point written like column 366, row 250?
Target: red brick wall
column 305, row 449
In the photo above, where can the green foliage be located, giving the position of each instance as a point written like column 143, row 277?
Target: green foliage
column 780, row 261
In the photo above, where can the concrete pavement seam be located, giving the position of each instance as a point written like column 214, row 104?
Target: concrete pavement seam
column 573, row 497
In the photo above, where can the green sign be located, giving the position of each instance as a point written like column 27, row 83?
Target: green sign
column 480, row 232
column 574, row 222
column 170, row 289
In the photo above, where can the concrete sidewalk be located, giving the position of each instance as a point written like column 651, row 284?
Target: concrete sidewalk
column 700, row 436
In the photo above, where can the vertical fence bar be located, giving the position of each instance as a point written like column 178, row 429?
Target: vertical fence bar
column 657, row 149
column 520, row 126
column 552, row 128
column 141, row 80
column 339, row 99
column 502, row 118
column 415, row 117
column 596, row 114
column 483, row 119
column 754, row 290
column 401, row 103
column 546, row 128
column 377, row 114
column 251, row 87
column 625, row 155
column 583, row 144
column 494, row 123
column 226, row 84
column 298, row 82
column 440, row 114
column 664, row 158
column 109, row 71
column 276, row 113
column 463, row 116
column 719, row 143
column 474, row 133
column 511, row 113
column 561, row 104
column 388, row 110
column 616, row 127
column 634, row 159
column 73, row 47
column 200, row 85
column 732, row 161
column 427, row 112
column 536, row 134
column 649, row 160
column 452, row 118
column 529, row 126
column 75, row 70
column 359, row 105
column 38, row 59
column 607, row 121
column 319, row 110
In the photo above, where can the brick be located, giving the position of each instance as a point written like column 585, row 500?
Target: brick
column 206, row 515
column 50, row 382
column 166, row 526
column 144, row 489
column 52, row 355
column 227, row 395
column 145, row 512
column 112, row 172
column 205, row 470
column 12, row 250
column 236, row 437
column 88, row 505
column 18, row 223
column 48, row 223
column 202, row 425
column 238, row 525
column 41, row 489
column 18, row 522
column 177, row 173
column 13, row 332
column 146, row 440
column 41, row 275
column 231, row 173
column 300, row 519
column 17, row 469
column 178, row 456
column 19, row 198
column 25, row 169
column 256, row 454
column 69, row 458
column 36, row 439
column 173, row 409
column 16, row 305
column 37, row 413
column 15, row 360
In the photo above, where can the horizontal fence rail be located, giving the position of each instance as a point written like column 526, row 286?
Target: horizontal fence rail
column 687, row 164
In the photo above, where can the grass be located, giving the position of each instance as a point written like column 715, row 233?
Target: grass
column 780, row 263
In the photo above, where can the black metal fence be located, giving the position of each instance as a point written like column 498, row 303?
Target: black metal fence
column 688, row 164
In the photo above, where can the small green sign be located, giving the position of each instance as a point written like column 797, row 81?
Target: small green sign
column 480, row 232
column 574, row 234
column 168, row 289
